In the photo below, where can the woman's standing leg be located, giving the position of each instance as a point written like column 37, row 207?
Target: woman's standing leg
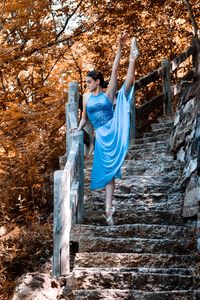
column 110, row 187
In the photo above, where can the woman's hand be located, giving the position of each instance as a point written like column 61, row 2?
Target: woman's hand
column 72, row 130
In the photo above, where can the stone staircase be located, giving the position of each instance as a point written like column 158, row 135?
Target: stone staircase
column 150, row 252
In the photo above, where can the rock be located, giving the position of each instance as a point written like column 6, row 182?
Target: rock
column 191, row 167
column 36, row 286
column 192, row 197
column 181, row 155
column 3, row 231
column 177, row 119
column 189, row 106
column 184, row 142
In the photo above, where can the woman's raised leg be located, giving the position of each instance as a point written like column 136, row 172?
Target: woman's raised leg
column 134, row 53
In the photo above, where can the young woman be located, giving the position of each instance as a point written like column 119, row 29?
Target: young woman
column 111, row 125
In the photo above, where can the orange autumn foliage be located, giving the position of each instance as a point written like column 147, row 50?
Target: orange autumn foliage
column 44, row 45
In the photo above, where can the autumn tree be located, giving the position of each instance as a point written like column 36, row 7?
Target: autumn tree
column 44, row 45
column 164, row 29
column 35, row 37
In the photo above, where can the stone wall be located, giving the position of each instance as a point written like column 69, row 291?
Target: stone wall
column 185, row 144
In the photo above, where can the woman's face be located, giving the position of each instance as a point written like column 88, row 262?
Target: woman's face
column 92, row 84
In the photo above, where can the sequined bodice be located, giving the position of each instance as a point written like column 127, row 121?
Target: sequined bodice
column 99, row 110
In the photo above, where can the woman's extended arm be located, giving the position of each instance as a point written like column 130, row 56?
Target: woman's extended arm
column 84, row 118
column 111, row 91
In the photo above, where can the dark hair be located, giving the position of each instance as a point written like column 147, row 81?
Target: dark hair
column 98, row 75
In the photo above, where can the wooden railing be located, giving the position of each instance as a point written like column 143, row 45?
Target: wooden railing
column 68, row 188
column 163, row 102
column 69, row 182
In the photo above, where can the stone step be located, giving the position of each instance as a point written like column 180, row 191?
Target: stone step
column 113, row 260
column 129, row 168
column 138, row 245
column 146, row 270
column 144, row 204
column 147, row 155
column 166, row 119
column 158, row 160
column 140, row 195
column 142, row 153
column 152, row 145
column 136, row 279
column 124, row 216
column 156, row 126
column 146, row 184
column 147, row 180
column 157, row 165
column 126, row 184
column 127, row 294
column 137, row 201
column 160, row 137
column 131, row 190
column 157, row 132
column 142, row 270
column 149, row 193
column 152, row 231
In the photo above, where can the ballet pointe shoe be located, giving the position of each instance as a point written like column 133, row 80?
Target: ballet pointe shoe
column 109, row 213
column 134, row 49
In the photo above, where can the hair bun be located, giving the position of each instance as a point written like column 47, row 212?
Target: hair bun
column 105, row 84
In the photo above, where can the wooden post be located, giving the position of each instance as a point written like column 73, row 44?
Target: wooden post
column 62, row 223
column 197, row 137
column 198, row 158
column 79, row 175
column 74, row 201
column 80, row 179
column 71, row 111
column 133, row 118
column 68, row 188
column 196, row 58
column 168, row 109
column 198, row 231
column 73, row 91
column 62, row 161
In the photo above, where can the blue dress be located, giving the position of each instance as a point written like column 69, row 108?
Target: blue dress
column 111, row 135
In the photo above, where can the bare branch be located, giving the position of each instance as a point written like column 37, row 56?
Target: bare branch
column 53, row 66
column 67, row 20
column 67, row 40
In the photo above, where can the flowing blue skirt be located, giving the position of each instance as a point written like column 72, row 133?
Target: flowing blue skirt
column 111, row 142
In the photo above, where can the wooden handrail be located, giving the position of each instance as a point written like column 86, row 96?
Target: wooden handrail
column 146, row 108
column 144, row 81
column 68, row 189
column 164, row 72
column 175, row 63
